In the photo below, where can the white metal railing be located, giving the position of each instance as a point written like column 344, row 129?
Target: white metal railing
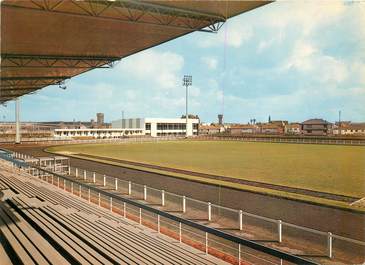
column 185, row 205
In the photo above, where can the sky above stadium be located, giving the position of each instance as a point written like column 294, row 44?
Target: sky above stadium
column 292, row 61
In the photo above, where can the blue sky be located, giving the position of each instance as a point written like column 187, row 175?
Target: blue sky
column 290, row 60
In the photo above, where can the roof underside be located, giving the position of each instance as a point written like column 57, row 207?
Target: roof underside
column 47, row 42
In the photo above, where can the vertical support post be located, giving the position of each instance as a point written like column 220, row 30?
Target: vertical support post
column 17, row 120
column 129, row 188
column 89, row 197
column 180, row 232
column 184, row 204
column 124, row 210
column 104, row 181
column 58, row 182
column 99, row 198
column 64, row 184
column 162, row 197
column 116, row 184
column 144, row 192
column 80, row 190
column 209, row 211
column 280, row 231
column 69, row 170
column 84, row 174
column 94, row 177
column 54, row 164
column 239, row 254
column 76, row 172
column 140, row 216
column 111, row 204
column 72, row 187
column 240, row 219
column 206, row 242
column 158, row 223
column 329, row 245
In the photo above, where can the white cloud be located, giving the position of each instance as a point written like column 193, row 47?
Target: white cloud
column 234, row 33
column 210, row 62
column 161, row 68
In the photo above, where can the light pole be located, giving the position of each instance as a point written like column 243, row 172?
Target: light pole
column 187, row 81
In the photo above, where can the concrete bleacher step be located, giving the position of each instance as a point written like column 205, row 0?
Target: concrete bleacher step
column 75, row 250
column 74, row 231
column 105, row 241
column 30, row 246
column 177, row 254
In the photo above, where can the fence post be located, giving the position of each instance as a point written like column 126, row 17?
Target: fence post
column 239, row 254
column 111, row 204
column 158, row 223
column 240, row 213
column 54, row 164
column 64, row 184
column 162, row 197
column 76, row 172
column 116, row 184
column 58, row 182
column 69, row 170
column 89, row 199
column 206, row 242
column 129, row 188
column 99, row 198
column 184, row 204
column 140, row 216
column 280, row 234
column 209, row 211
column 124, row 210
column 94, row 177
column 104, row 181
column 72, row 187
column 180, row 232
column 144, row 192
column 84, row 174
column 329, row 245
column 80, row 189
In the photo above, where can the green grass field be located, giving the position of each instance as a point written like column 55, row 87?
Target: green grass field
column 328, row 168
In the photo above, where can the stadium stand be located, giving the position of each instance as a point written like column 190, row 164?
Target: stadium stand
column 40, row 224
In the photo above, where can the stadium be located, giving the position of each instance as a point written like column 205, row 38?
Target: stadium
column 156, row 190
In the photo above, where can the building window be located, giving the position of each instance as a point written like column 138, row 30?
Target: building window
column 148, row 126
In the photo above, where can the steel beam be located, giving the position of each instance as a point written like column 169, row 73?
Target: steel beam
column 131, row 11
column 30, row 81
column 56, row 61
column 16, row 92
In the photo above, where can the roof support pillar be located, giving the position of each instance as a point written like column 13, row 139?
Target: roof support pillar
column 17, row 121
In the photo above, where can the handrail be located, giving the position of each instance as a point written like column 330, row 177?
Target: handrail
column 210, row 230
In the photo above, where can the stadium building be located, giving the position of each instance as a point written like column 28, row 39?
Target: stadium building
column 154, row 127
column 159, row 126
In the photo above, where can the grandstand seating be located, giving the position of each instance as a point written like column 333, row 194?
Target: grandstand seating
column 41, row 224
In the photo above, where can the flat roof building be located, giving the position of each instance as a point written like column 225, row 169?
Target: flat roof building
column 159, row 126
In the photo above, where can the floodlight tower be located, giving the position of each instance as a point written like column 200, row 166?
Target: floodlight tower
column 187, row 81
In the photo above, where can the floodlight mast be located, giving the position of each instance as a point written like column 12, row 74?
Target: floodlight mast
column 187, row 81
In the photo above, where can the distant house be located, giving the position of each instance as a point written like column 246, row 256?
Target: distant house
column 210, row 129
column 292, row 128
column 316, row 127
column 272, row 128
column 238, row 129
column 349, row 128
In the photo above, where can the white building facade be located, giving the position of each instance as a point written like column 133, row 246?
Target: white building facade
column 87, row 133
column 159, row 126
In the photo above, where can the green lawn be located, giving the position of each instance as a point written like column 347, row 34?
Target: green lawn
column 329, row 168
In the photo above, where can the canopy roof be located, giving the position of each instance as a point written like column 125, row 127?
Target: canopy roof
column 47, row 42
